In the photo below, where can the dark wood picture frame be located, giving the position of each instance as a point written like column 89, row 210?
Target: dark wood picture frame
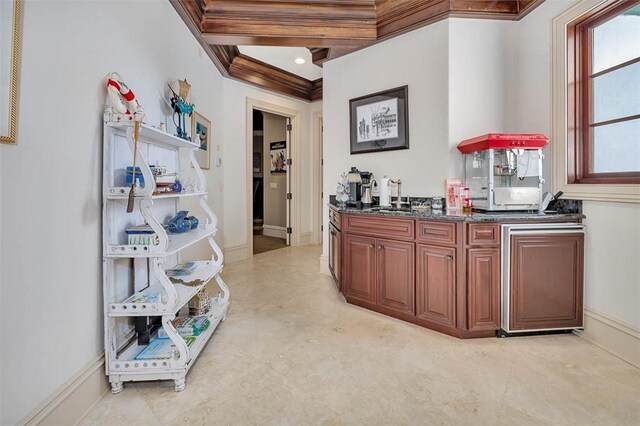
column 363, row 138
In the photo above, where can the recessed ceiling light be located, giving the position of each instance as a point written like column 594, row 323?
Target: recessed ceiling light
column 300, row 61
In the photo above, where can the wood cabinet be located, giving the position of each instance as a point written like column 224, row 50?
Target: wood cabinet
column 335, row 255
column 546, row 274
column 395, row 275
column 380, row 272
column 483, row 288
column 446, row 275
column 359, row 268
column 436, row 284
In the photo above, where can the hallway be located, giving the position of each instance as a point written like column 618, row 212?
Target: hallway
column 293, row 352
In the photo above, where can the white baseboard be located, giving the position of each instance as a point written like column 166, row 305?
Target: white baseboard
column 73, row 400
column 236, row 254
column 324, row 265
column 274, row 231
column 306, row 238
column 620, row 339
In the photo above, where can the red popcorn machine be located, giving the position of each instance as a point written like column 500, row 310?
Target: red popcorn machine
column 504, row 171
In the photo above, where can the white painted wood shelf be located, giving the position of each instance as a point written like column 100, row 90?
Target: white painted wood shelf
column 176, row 242
column 153, row 135
column 139, row 297
column 136, row 305
column 122, row 193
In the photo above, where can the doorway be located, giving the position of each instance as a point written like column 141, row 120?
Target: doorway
column 271, row 181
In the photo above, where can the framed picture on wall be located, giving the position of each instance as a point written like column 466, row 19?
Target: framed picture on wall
column 380, row 121
column 201, row 131
column 278, row 157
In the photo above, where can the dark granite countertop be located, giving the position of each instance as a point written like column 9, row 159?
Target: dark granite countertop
column 458, row 216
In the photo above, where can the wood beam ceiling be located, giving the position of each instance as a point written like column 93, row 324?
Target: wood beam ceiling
column 329, row 28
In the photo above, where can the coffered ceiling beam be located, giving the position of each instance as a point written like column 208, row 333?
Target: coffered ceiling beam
column 288, row 23
column 329, row 28
column 287, row 41
column 252, row 71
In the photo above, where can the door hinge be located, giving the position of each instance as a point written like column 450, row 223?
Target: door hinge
column 289, row 127
column 289, row 196
column 289, row 162
column 321, row 228
column 289, row 230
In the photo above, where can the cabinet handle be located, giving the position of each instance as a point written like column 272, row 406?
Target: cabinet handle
column 449, row 257
column 381, row 247
column 372, row 246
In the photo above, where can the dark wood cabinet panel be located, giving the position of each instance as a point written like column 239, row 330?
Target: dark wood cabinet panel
column 436, row 284
column 359, row 268
column 546, row 281
column 396, row 275
column 335, row 255
column 379, row 226
column 483, row 234
column 334, row 218
column 483, row 289
column 431, row 232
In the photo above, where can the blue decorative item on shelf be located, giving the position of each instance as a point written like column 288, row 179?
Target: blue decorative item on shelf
column 176, row 186
column 194, row 222
column 179, row 223
column 181, row 108
column 139, row 177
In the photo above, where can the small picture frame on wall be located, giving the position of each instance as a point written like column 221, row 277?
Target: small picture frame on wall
column 201, row 131
column 380, row 121
column 278, row 157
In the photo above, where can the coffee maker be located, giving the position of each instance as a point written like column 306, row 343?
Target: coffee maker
column 367, row 183
column 355, row 186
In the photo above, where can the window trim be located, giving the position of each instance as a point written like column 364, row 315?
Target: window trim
column 569, row 160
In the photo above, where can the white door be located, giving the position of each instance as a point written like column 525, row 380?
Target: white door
column 288, row 179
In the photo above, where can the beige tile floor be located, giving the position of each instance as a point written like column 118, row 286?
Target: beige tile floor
column 293, row 352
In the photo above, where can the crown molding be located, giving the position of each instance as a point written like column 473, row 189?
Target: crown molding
column 328, row 28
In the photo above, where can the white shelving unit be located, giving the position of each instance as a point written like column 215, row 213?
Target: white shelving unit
column 135, row 284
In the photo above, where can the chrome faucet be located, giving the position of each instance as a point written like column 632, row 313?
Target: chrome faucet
column 398, row 203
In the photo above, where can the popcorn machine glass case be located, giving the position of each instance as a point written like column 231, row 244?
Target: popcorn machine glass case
column 504, row 171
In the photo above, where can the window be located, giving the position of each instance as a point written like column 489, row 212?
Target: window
column 603, row 99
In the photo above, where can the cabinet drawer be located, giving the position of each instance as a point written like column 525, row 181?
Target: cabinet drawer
column 436, row 232
column 334, row 218
column 380, row 226
column 483, row 233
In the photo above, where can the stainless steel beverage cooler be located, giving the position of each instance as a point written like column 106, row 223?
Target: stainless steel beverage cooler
column 504, row 171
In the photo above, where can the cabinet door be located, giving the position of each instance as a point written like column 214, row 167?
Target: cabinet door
column 396, row 275
column 483, row 281
column 335, row 254
column 546, row 281
column 360, row 268
column 436, row 284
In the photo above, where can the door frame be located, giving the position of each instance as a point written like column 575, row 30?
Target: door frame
column 317, row 177
column 294, row 153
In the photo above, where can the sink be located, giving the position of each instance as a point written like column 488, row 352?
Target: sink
column 391, row 210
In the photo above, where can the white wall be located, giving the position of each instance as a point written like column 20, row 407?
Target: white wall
column 612, row 270
column 418, row 59
column 235, row 96
column 50, row 218
column 275, row 199
column 489, row 76
column 482, row 75
column 612, row 266
column 442, row 65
